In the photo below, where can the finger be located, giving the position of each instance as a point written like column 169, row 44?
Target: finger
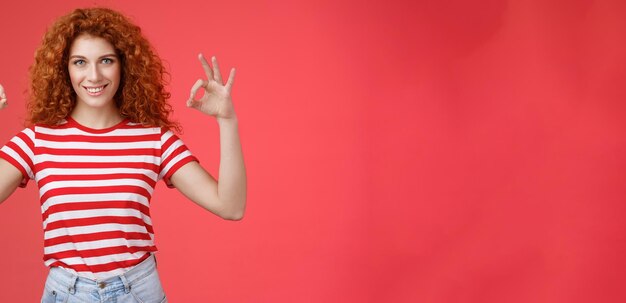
column 196, row 86
column 216, row 71
column 231, row 80
column 206, row 67
column 3, row 97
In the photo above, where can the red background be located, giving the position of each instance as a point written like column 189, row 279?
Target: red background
column 397, row 151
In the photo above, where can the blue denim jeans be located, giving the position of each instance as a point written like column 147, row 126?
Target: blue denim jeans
column 140, row 284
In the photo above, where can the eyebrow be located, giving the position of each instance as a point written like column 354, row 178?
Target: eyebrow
column 83, row 57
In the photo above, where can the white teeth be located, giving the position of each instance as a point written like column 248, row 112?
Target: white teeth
column 94, row 89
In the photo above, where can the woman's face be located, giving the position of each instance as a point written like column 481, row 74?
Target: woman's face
column 94, row 70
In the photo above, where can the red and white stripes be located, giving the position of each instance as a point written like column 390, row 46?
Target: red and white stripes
column 95, row 188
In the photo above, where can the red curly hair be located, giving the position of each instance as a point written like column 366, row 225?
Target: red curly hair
column 141, row 96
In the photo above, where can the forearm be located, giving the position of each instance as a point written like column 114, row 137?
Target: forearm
column 231, row 187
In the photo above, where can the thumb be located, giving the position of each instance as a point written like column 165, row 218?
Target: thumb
column 191, row 103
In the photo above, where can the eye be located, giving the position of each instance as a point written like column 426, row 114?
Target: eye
column 107, row 61
column 79, row 62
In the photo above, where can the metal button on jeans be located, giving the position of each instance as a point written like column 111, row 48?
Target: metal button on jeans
column 102, row 285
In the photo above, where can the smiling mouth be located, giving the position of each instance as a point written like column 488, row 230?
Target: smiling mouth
column 95, row 90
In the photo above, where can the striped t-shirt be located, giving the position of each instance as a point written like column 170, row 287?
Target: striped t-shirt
column 95, row 187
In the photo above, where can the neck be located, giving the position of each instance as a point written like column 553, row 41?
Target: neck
column 96, row 118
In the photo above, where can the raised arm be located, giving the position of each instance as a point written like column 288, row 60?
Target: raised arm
column 226, row 198
column 10, row 177
column 10, row 180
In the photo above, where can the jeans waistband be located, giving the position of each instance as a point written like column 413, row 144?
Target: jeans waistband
column 74, row 283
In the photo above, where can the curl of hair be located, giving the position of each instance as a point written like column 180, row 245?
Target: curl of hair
column 141, row 96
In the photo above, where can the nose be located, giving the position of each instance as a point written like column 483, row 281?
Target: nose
column 95, row 74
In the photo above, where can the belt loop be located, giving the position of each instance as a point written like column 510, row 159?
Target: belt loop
column 126, row 284
column 73, row 281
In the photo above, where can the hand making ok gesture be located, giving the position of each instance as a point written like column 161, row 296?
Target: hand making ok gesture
column 216, row 100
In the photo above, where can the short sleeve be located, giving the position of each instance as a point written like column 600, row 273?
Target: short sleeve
column 19, row 152
column 174, row 154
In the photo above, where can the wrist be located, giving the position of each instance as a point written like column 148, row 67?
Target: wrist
column 230, row 121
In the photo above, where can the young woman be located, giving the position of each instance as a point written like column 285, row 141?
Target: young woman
column 99, row 139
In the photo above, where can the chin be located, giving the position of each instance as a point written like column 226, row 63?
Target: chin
column 100, row 102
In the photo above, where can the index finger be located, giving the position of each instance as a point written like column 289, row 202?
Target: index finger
column 206, row 67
